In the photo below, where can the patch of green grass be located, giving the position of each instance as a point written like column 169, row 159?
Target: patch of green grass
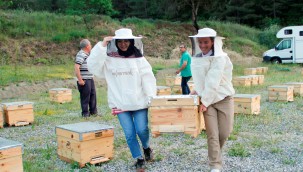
column 256, row 142
column 238, row 150
column 275, row 150
column 180, row 151
column 158, row 157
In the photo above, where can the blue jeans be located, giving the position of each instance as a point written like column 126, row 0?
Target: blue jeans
column 133, row 123
column 184, row 85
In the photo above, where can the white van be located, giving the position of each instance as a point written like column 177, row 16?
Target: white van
column 289, row 49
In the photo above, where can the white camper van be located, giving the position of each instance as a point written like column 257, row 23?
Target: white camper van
column 289, row 49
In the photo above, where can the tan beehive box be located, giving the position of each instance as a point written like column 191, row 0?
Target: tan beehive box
column 298, row 87
column 60, row 95
column 163, row 90
column 191, row 85
column 10, row 156
column 257, row 79
column 176, row 89
column 85, row 142
column 250, row 71
column 247, row 103
column 18, row 113
column 261, row 70
column 176, row 114
column 173, row 80
column 1, row 117
column 242, row 81
column 281, row 93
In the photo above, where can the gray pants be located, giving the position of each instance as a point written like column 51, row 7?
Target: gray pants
column 88, row 98
column 219, row 119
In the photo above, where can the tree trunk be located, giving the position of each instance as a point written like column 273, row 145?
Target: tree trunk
column 194, row 13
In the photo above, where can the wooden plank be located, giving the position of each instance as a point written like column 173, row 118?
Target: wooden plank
column 247, row 97
column 1, row 118
column 17, row 106
column 298, row 87
column 85, row 136
column 280, row 88
column 163, row 90
column 11, row 164
column 247, row 108
column 173, row 100
column 16, row 116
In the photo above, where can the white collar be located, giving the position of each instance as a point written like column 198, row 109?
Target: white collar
column 207, row 54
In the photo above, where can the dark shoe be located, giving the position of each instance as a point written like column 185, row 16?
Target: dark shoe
column 140, row 165
column 148, row 153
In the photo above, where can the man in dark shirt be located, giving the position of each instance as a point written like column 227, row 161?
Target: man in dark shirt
column 86, row 85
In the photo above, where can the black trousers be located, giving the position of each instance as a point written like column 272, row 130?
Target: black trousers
column 184, row 85
column 88, row 98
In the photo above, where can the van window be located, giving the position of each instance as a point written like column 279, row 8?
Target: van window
column 301, row 33
column 284, row 45
column 288, row 32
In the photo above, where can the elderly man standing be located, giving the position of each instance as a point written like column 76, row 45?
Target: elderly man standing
column 86, row 85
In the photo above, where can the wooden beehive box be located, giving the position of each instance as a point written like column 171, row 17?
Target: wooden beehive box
column 247, row 103
column 191, row 85
column 250, row 71
column 261, row 70
column 173, row 80
column 18, row 113
column 85, row 142
column 10, row 156
column 60, row 95
column 298, row 87
column 163, row 90
column 176, row 89
column 1, row 117
column 176, row 113
column 242, row 81
column 256, row 79
column 281, row 93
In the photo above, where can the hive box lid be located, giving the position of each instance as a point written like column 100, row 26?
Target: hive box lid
column 6, row 143
column 175, row 100
column 17, row 105
column 85, row 127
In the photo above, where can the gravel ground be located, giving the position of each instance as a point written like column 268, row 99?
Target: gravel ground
column 272, row 141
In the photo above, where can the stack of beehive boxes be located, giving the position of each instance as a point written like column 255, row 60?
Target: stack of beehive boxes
column 85, row 142
column 10, row 156
column 247, row 103
column 18, row 113
column 281, row 93
column 60, row 95
column 163, row 90
column 176, row 113
column 253, row 76
column 175, row 83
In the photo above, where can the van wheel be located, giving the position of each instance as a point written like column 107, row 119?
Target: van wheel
column 275, row 61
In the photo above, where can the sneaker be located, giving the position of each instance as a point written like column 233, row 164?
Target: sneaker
column 215, row 170
column 148, row 153
column 140, row 165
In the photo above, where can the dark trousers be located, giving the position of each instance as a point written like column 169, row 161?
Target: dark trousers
column 184, row 85
column 88, row 97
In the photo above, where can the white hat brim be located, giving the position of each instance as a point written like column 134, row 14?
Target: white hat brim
column 127, row 37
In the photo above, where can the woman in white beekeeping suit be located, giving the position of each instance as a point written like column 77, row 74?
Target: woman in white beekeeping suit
column 212, row 76
column 131, row 83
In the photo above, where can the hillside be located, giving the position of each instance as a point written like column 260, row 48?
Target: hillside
column 46, row 38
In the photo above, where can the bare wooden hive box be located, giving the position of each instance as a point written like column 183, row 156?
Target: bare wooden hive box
column 60, row 95
column 247, row 103
column 176, row 113
column 18, row 113
column 176, row 89
column 281, row 93
column 1, row 117
column 173, row 80
column 262, row 70
column 250, row 71
column 298, row 87
column 191, row 85
column 163, row 90
column 10, row 156
column 242, row 81
column 257, row 79
column 85, row 142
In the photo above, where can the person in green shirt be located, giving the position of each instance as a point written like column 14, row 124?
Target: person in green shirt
column 185, row 62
